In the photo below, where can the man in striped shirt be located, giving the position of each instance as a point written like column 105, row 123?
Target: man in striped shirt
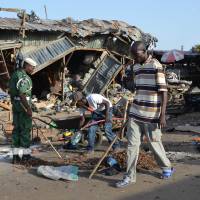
column 147, row 113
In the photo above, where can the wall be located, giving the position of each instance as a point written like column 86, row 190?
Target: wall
column 32, row 40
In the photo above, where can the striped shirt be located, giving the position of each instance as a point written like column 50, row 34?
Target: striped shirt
column 149, row 80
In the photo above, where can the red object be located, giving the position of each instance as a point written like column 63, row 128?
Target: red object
column 172, row 56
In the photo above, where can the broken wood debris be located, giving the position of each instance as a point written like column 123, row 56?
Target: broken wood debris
column 145, row 160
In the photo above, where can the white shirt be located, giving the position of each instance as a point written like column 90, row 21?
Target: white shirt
column 95, row 101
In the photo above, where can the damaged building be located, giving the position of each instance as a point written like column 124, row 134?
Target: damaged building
column 95, row 49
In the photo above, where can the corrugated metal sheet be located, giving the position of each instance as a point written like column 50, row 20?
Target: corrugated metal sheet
column 81, row 28
column 108, row 69
column 50, row 53
column 41, row 25
column 10, row 45
column 32, row 38
column 96, row 42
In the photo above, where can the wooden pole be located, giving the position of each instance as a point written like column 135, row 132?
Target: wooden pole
column 63, row 77
column 45, row 9
column 48, row 141
column 23, row 24
column 44, row 135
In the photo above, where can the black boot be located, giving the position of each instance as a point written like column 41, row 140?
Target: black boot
column 16, row 159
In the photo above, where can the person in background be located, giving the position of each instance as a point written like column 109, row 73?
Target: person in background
column 76, row 82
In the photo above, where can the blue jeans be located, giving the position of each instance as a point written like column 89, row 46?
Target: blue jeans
column 108, row 130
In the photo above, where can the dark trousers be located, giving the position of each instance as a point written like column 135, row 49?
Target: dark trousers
column 21, row 135
column 108, row 130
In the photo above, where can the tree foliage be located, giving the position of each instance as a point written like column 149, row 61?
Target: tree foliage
column 196, row 48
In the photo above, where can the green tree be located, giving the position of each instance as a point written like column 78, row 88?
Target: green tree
column 196, row 48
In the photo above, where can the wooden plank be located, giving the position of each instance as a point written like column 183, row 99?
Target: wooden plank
column 4, row 63
column 3, row 73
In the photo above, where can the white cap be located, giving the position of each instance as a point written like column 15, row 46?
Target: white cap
column 30, row 61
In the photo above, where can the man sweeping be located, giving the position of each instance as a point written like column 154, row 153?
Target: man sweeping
column 101, row 108
column 20, row 91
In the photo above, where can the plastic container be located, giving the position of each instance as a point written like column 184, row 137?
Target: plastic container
column 76, row 138
column 67, row 133
column 167, row 173
column 111, row 161
column 58, row 108
column 53, row 125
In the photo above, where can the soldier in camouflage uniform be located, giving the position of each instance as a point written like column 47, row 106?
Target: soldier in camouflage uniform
column 20, row 92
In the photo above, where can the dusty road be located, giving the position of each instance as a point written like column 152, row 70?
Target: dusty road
column 20, row 184
column 24, row 184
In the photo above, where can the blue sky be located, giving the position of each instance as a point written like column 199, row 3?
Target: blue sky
column 173, row 22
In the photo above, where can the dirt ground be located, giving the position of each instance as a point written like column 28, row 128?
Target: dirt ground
column 18, row 183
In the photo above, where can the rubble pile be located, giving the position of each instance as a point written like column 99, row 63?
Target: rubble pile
column 38, row 162
column 145, row 160
column 176, row 89
column 176, row 94
column 44, row 104
column 5, row 103
column 81, row 161
column 52, row 104
column 116, row 92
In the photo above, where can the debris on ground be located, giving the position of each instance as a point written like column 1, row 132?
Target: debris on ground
column 188, row 119
column 188, row 128
column 145, row 160
column 5, row 103
column 182, row 156
column 176, row 92
column 116, row 92
column 80, row 161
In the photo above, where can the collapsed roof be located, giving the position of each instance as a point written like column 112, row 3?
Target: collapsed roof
column 113, row 38
column 81, row 29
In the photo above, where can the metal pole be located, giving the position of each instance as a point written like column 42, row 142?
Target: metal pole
column 45, row 9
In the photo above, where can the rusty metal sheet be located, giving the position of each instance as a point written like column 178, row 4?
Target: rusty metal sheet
column 82, row 29
column 107, row 69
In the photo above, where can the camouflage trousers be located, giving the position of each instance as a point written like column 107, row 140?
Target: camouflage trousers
column 21, row 135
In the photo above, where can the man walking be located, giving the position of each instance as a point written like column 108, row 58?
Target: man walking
column 147, row 113
column 20, row 92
